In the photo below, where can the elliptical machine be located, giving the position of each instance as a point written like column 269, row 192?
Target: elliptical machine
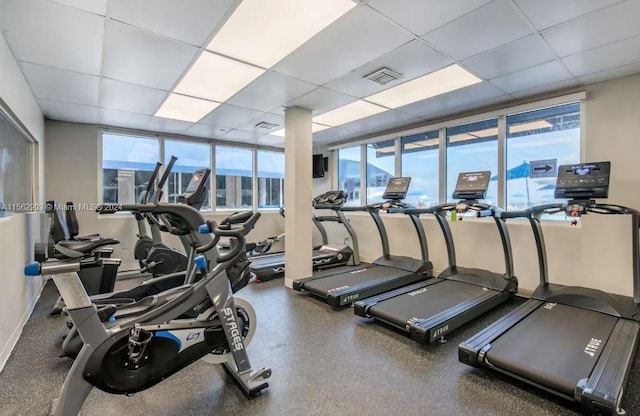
column 143, row 350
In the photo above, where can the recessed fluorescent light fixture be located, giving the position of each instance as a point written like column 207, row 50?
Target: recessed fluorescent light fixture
column 314, row 128
column 217, row 78
column 350, row 112
column 262, row 32
column 439, row 82
column 180, row 107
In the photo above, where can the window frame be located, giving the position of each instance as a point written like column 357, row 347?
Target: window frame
column 256, row 183
column 499, row 114
column 161, row 143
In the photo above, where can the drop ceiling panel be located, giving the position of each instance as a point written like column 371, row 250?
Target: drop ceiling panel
column 167, row 125
column 206, row 130
column 422, row 16
column 622, row 71
column 241, row 135
column 379, row 122
column 191, row 23
column 266, row 117
column 612, row 24
column 605, row 57
column 61, row 85
column 533, row 77
column 48, row 33
column 230, row 116
column 269, row 91
column 553, row 86
column 321, row 100
column 332, row 135
column 410, row 60
column 547, row 13
column 467, row 107
column 356, row 38
column 139, row 57
column 130, row 97
column 92, row 6
column 483, row 29
column 517, row 55
column 123, row 119
column 268, row 140
column 75, row 113
column 473, row 94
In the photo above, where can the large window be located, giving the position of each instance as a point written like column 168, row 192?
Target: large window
column 349, row 173
column 420, row 162
column 548, row 137
column 473, row 147
column 381, row 161
column 191, row 157
column 15, row 169
column 270, row 179
column 234, row 178
column 127, row 165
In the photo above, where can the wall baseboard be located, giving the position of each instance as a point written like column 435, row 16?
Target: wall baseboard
column 7, row 349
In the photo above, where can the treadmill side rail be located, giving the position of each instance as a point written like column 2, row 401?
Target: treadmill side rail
column 602, row 392
column 472, row 351
column 426, row 331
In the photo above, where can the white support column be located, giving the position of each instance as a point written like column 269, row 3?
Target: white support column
column 298, row 150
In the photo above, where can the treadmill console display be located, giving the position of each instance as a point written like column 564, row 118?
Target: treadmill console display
column 472, row 185
column 583, row 181
column 397, row 188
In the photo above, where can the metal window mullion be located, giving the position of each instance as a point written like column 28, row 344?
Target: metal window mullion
column 583, row 131
column 502, row 161
column 165, row 190
column 442, row 165
column 398, row 156
column 363, row 174
column 255, row 179
column 214, row 180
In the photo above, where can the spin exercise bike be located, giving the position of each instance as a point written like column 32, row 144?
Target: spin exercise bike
column 143, row 350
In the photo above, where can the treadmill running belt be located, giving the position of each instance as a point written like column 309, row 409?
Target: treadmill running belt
column 260, row 262
column 555, row 346
column 343, row 280
column 426, row 302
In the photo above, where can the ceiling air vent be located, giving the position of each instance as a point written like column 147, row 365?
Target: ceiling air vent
column 265, row 125
column 383, row 76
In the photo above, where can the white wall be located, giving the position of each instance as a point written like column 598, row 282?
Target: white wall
column 72, row 165
column 595, row 254
column 18, row 233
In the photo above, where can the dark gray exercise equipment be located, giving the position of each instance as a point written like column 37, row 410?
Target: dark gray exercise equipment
column 327, row 256
column 343, row 286
column 431, row 309
column 575, row 342
column 145, row 349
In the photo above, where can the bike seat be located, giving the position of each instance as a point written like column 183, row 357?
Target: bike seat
column 76, row 249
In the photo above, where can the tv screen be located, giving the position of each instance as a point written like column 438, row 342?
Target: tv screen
column 318, row 166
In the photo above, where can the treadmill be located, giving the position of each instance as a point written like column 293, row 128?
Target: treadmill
column 271, row 266
column 431, row 309
column 343, row 286
column 575, row 342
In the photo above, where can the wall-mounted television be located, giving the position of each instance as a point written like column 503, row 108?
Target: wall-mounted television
column 318, row 166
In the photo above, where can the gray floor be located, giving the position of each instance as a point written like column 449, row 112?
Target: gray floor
column 324, row 362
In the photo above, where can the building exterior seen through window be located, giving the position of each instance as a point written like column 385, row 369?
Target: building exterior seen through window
column 535, row 144
column 270, row 179
column 127, row 165
column 549, row 134
column 420, row 153
column 234, row 178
